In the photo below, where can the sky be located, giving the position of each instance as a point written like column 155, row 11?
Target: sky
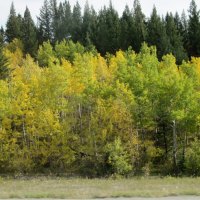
column 34, row 6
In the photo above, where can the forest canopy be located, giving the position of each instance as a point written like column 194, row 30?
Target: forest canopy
column 106, row 30
column 75, row 111
column 80, row 105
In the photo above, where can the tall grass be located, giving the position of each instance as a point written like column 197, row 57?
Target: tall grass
column 97, row 188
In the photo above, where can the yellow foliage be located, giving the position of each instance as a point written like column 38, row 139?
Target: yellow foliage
column 14, row 53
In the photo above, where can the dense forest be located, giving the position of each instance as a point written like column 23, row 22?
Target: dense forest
column 98, row 94
column 106, row 30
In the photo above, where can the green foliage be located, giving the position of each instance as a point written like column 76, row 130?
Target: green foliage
column 139, row 26
column 68, row 50
column 13, row 52
column 72, row 110
column 118, row 158
column 29, row 34
column 126, row 26
column 13, row 25
column 107, row 39
column 193, row 30
column 192, row 159
column 176, row 41
column 14, row 45
column 157, row 34
column 46, row 55
column 45, row 21
column 89, row 25
column 105, row 30
column 4, row 70
column 76, row 22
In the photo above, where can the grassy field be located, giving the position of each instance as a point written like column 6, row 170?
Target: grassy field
column 97, row 188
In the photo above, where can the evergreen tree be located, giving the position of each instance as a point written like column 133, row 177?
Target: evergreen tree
column 193, row 30
column 29, row 34
column 182, row 26
column 60, row 33
column 176, row 43
column 45, row 22
column 2, row 36
column 108, row 30
column 76, row 23
column 67, row 20
column 126, row 27
column 86, row 23
column 139, row 28
column 157, row 34
column 102, row 32
column 89, row 25
column 13, row 25
column 114, row 30
column 184, row 31
column 61, row 20
column 177, row 21
column 92, row 28
column 55, row 20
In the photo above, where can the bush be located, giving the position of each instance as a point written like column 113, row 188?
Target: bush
column 192, row 159
column 118, row 158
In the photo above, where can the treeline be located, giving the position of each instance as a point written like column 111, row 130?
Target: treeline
column 106, row 30
column 74, row 111
column 66, row 108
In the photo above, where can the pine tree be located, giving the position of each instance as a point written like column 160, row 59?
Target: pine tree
column 76, row 23
column 101, row 41
column 55, row 20
column 89, row 25
column 176, row 43
column 60, row 32
column 45, row 22
column 184, row 30
column 157, row 34
column 193, row 30
column 2, row 36
column 126, row 27
column 92, row 31
column 114, row 30
column 29, row 34
column 177, row 21
column 108, row 30
column 86, row 22
column 139, row 28
column 67, row 21
column 13, row 25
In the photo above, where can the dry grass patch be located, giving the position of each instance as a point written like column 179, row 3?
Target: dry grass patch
column 97, row 188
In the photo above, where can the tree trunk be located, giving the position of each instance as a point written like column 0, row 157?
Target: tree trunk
column 175, row 148
column 165, row 142
column 184, row 146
